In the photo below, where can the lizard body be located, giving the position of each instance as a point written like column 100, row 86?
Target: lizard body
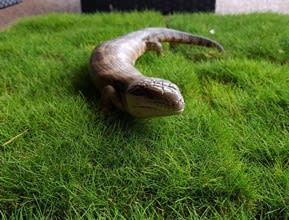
column 123, row 86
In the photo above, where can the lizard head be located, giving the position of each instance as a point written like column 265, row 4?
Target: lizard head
column 152, row 97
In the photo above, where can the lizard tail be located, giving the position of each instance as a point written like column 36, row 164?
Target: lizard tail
column 174, row 36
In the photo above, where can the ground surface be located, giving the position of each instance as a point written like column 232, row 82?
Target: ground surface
column 226, row 156
column 35, row 7
column 247, row 6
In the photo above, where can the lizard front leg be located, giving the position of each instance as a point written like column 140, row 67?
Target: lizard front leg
column 109, row 97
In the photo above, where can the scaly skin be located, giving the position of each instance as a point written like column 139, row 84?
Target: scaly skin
column 124, row 87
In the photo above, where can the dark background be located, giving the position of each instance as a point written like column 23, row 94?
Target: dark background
column 164, row 6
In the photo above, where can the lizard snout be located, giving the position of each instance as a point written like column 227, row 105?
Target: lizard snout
column 155, row 97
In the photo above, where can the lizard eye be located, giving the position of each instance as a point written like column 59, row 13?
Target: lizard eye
column 137, row 90
column 141, row 90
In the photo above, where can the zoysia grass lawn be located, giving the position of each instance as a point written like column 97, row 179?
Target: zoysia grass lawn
column 225, row 157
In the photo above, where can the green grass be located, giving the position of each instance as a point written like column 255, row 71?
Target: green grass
column 225, row 157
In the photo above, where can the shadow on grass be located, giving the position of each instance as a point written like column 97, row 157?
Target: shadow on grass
column 196, row 54
column 84, row 86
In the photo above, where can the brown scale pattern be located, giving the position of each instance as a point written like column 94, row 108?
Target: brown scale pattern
column 114, row 60
column 113, row 70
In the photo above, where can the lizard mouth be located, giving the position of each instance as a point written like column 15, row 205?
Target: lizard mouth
column 148, row 110
column 161, row 109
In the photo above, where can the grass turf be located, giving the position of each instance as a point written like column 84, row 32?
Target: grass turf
column 226, row 156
